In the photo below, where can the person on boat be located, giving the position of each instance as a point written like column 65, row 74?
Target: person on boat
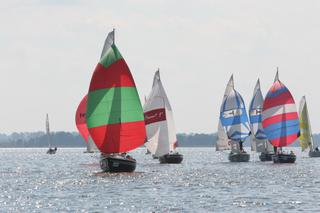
column 316, row 149
column 291, row 152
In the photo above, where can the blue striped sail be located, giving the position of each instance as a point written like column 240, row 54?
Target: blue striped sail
column 234, row 118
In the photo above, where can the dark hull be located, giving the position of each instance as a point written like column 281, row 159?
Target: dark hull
column 266, row 156
column 283, row 158
column 155, row 157
column 239, row 157
column 171, row 158
column 314, row 154
column 117, row 164
column 51, row 151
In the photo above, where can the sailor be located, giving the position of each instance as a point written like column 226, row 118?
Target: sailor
column 316, row 149
column 291, row 152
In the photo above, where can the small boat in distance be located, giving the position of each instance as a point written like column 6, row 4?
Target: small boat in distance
column 259, row 140
column 50, row 150
column 234, row 118
column 161, row 133
column 306, row 139
column 223, row 142
column 82, row 126
column 280, row 120
column 114, row 113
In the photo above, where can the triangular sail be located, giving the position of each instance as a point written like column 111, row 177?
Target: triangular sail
column 223, row 141
column 234, row 119
column 306, row 140
column 259, row 139
column 48, row 130
column 114, row 113
column 161, row 134
column 279, row 116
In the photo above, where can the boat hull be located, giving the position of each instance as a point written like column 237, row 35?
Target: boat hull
column 155, row 157
column 239, row 157
column 284, row 158
column 51, row 151
column 314, row 154
column 266, row 156
column 117, row 164
column 171, row 158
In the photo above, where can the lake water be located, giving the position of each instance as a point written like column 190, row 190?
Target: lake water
column 70, row 181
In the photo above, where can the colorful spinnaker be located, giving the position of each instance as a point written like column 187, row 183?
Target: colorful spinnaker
column 234, row 118
column 280, row 119
column 114, row 113
column 82, row 125
column 306, row 139
column 260, row 142
column 161, row 133
column 223, row 141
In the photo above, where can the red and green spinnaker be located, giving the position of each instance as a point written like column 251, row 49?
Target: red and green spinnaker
column 114, row 113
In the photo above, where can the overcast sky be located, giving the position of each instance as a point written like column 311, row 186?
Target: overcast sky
column 49, row 48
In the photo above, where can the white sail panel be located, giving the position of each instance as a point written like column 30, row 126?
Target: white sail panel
column 161, row 133
column 91, row 146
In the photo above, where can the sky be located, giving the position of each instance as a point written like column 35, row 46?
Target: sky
column 49, row 49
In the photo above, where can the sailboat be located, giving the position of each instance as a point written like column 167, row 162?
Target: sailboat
column 50, row 150
column 306, row 139
column 82, row 126
column 259, row 139
column 280, row 120
column 114, row 115
column 161, row 134
column 234, row 119
column 223, row 142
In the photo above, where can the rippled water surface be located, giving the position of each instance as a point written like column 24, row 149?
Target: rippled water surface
column 32, row 181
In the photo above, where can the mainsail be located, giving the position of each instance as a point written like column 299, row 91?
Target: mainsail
column 82, row 125
column 114, row 113
column 306, row 140
column 161, row 134
column 48, row 131
column 223, row 141
column 234, row 119
column 279, row 116
column 260, row 142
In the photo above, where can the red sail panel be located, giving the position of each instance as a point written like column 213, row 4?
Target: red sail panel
column 107, row 137
column 81, row 119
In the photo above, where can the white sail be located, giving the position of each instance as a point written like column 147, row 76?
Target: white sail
column 223, row 142
column 259, row 141
column 306, row 139
column 91, row 146
column 48, row 130
column 161, row 133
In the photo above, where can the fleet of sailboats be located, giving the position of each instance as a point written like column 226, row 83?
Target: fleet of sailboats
column 111, row 119
column 161, row 134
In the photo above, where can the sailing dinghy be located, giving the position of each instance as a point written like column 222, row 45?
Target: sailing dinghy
column 82, row 126
column 223, row 142
column 50, row 150
column 280, row 120
column 306, row 139
column 259, row 140
column 161, row 134
column 114, row 113
column 234, row 119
